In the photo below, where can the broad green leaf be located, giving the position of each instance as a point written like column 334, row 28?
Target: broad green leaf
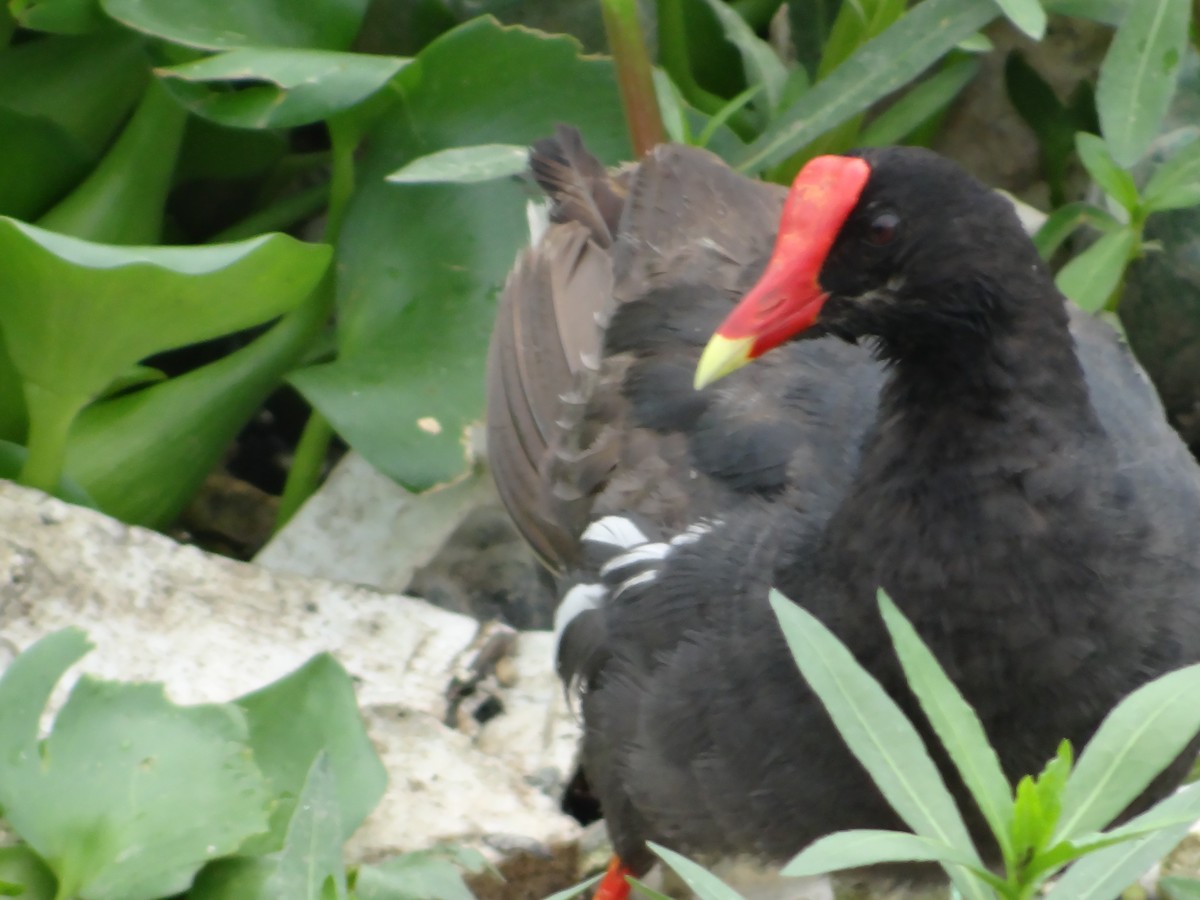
column 955, row 723
column 246, row 878
column 122, row 200
column 53, row 131
column 1027, row 15
column 435, row 874
column 702, row 883
column 12, row 461
column 876, row 732
column 279, row 88
column 420, row 266
column 1138, row 75
column 58, row 16
column 1134, row 743
column 27, row 874
column 1115, row 181
column 324, row 24
column 307, row 715
column 852, row 849
column 1179, row 889
column 25, row 690
column 143, row 455
column 464, row 165
column 1092, row 276
column 761, row 64
column 1063, row 222
column 1104, row 874
column 919, row 104
column 130, row 794
column 312, row 853
column 1176, row 183
column 920, row 38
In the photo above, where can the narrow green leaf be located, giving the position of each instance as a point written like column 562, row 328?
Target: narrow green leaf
column 1107, row 12
column 955, row 723
column 1138, row 76
column 1114, row 180
column 920, row 38
column 702, row 883
column 759, row 60
column 644, row 890
column 1063, row 222
column 851, row 849
column 1134, row 743
column 1091, row 277
column 721, row 116
column 1104, row 874
column 464, row 165
column 919, row 104
column 976, row 43
column 1027, row 15
column 1176, row 183
column 1027, row 832
column 876, row 732
column 575, row 891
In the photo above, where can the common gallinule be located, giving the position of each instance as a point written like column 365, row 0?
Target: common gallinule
column 934, row 419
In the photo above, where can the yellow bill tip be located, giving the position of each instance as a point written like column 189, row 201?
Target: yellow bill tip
column 722, row 356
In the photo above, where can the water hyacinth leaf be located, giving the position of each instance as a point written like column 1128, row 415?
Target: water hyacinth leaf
column 1105, row 873
column 464, row 165
column 702, row 883
column 1063, row 222
column 436, row 873
column 26, row 873
column 311, row 860
column 919, row 104
column 1179, row 889
column 25, row 689
column 58, row 16
column 279, row 88
column 309, row 714
column 79, row 801
column 1176, row 183
column 421, row 265
column 1091, row 278
column 247, row 878
column 12, row 461
column 1139, row 73
column 77, row 314
column 1134, row 743
column 321, row 24
column 955, row 723
column 760, row 62
column 921, row 37
column 852, row 849
column 1115, row 181
column 1027, row 15
column 878, row 734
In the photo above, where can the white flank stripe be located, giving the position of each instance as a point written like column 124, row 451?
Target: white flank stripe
column 578, row 599
column 644, row 553
column 616, row 531
column 633, row 582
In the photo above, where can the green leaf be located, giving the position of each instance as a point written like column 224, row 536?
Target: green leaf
column 1138, row 76
column 955, row 723
column 22, row 868
column 919, row 104
column 420, row 266
column 324, row 24
column 1107, row 12
column 25, row 690
column 920, row 38
column 1104, row 874
column 702, row 883
column 58, row 16
column 644, row 890
column 812, row 21
column 1027, row 15
column 246, row 878
column 429, row 875
column 876, row 732
column 1027, row 831
column 1092, row 276
column 1114, row 180
column 1134, row 743
column 312, row 853
column 12, row 461
column 464, row 165
column 851, row 849
column 1179, row 889
column 568, row 893
column 130, row 794
column 1063, row 222
column 761, row 64
column 143, row 455
column 308, row 715
column 279, row 88
column 1176, row 183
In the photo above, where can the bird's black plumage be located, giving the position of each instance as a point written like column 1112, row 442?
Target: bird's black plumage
column 992, row 457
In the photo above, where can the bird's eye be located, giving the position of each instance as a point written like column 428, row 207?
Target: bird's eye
column 883, row 229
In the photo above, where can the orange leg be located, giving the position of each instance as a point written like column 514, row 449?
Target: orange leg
column 613, row 885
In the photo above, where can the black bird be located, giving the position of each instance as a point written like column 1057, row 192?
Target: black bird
column 933, row 419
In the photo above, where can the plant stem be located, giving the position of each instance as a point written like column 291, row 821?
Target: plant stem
column 344, row 136
column 50, row 418
column 634, row 75
column 8, row 26
column 276, row 217
column 307, row 463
